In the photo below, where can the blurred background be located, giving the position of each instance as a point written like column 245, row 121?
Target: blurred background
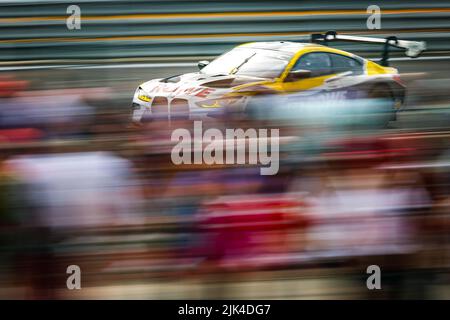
column 80, row 185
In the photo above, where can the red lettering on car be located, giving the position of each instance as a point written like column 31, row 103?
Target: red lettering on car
column 204, row 93
column 190, row 90
column 154, row 89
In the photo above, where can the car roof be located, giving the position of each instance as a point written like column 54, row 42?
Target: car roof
column 282, row 46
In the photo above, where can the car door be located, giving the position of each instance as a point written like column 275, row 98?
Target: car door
column 347, row 72
column 320, row 66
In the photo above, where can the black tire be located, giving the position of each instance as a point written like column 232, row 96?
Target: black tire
column 387, row 111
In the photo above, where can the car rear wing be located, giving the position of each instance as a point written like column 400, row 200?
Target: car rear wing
column 412, row 48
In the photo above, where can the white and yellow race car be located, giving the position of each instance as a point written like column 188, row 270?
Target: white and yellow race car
column 304, row 70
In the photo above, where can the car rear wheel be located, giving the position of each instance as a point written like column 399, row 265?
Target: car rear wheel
column 383, row 94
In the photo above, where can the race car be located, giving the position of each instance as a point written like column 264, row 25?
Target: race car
column 233, row 79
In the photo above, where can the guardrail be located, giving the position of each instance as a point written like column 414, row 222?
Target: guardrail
column 37, row 30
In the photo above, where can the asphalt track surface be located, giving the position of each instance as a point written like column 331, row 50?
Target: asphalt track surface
column 80, row 75
column 428, row 82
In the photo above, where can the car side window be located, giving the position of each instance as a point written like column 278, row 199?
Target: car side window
column 319, row 63
column 343, row 64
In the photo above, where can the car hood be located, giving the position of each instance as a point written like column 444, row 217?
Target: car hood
column 197, row 84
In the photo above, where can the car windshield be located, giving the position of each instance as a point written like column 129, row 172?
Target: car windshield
column 249, row 62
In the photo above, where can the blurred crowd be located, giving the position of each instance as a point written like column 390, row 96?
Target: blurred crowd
column 80, row 185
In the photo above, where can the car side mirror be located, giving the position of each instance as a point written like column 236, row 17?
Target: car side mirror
column 202, row 64
column 298, row 74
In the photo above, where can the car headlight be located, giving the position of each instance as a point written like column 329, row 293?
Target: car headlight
column 143, row 96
